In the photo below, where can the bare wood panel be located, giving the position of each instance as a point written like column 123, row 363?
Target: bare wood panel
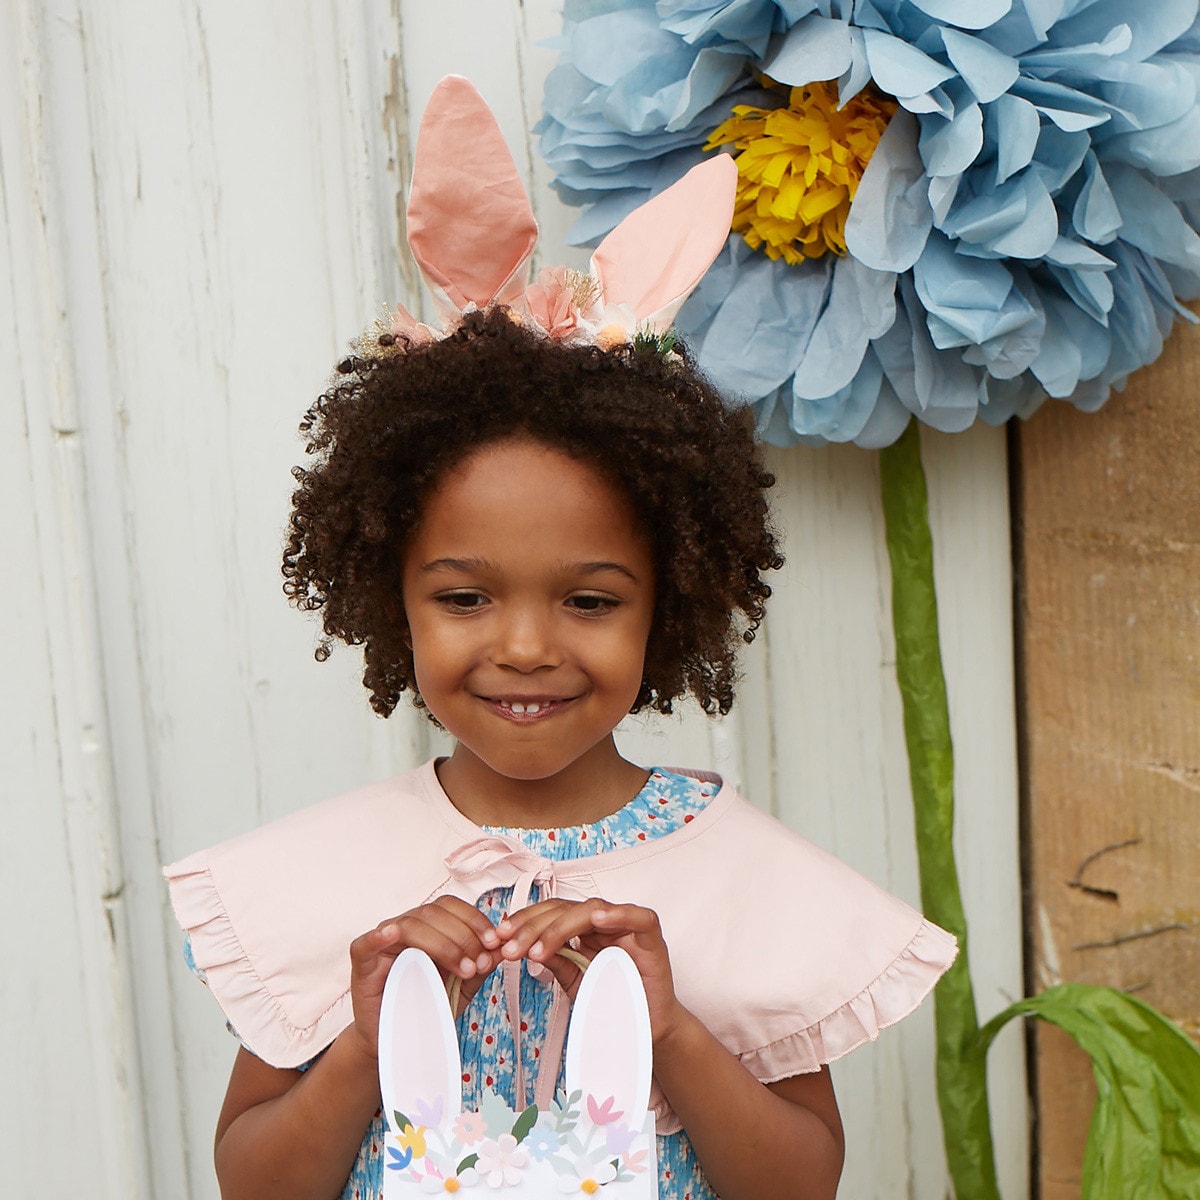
column 1110, row 645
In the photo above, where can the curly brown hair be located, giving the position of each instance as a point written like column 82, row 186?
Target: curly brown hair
column 394, row 420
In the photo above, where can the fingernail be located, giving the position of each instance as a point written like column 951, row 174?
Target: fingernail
column 491, row 938
column 483, row 961
column 511, row 950
column 388, row 931
column 535, row 951
column 467, row 967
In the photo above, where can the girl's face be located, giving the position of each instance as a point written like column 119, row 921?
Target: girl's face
column 529, row 592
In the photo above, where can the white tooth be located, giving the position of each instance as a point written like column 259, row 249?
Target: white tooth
column 517, row 708
column 532, row 708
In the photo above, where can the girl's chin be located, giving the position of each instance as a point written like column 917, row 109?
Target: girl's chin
column 543, row 763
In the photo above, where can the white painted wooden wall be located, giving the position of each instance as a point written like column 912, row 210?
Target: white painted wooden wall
column 200, row 206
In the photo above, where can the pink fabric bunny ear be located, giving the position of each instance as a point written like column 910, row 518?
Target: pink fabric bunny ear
column 470, row 225
column 657, row 255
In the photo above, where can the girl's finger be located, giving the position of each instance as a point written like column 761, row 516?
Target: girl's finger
column 459, row 911
column 577, row 920
column 474, row 934
column 471, row 916
column 522, row 929
column 455, row 947
column 617, row 919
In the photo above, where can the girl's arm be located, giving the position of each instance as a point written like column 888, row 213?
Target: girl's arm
column 295, row 1135
column 755, row 1141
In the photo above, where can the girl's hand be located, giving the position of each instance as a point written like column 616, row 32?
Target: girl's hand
column 456, row 935
column 541, row 930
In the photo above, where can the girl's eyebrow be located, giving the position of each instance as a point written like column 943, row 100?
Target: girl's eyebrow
column 476, row 565
column 598, row 568
column 467, row 565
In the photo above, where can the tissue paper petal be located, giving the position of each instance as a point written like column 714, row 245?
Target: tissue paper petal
column 890, row 217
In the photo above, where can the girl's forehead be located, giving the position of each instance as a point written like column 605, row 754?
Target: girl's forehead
column 526, row 502
column 524, row 466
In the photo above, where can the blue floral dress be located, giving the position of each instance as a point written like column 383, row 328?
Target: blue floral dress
column 667, row 802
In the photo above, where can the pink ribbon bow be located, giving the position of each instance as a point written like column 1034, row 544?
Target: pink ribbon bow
column 495, row 861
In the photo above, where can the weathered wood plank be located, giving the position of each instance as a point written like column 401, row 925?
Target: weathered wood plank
column 72, row 1054
column 1110, row 642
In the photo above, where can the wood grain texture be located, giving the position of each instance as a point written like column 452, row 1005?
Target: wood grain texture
column 1110, row 642
column 219, row 208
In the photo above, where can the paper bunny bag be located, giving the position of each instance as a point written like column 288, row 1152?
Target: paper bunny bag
column 597, row 1136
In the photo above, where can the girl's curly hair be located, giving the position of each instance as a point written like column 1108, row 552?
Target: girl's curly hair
column 394, row 420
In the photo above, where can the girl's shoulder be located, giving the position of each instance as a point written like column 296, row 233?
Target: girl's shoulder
column 789, row 956
column 269, row 914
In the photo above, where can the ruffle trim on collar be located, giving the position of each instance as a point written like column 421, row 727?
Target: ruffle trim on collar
column 263, row 1024
column 893, row 995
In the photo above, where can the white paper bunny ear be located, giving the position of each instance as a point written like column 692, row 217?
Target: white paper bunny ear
column 609, row 1052
column 655, row 257
column 420, row 1073
column 470, row 225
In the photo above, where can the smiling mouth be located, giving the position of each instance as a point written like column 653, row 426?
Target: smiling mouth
column 525, row 711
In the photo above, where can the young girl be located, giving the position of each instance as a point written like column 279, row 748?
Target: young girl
column 535, row 521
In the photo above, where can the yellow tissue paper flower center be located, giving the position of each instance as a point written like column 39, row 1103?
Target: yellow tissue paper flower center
column 799, row 167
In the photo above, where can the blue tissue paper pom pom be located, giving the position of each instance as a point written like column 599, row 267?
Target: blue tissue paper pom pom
column 1027, row 225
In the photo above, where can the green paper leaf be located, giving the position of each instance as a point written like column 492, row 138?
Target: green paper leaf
column 401, row 1121
column 524, row 1123
column 466, row 1163
column 1144, row 1139
column 496, row 1113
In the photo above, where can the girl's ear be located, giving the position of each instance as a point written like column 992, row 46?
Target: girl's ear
column 657, row 254
column 420, row 1073
column 470, row 224
column 609, row 1052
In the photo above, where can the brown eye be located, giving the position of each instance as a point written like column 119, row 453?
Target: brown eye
column 592, row 604
column 462, row 601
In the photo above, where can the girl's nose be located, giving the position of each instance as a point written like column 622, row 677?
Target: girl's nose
column 526, row 641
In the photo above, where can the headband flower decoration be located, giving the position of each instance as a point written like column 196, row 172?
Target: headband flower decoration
column 472, row 232
column 945, row 209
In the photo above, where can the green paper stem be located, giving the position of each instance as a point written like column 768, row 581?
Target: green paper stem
column 961, row 1061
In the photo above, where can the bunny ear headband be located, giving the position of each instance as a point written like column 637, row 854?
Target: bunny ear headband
column 472, row 231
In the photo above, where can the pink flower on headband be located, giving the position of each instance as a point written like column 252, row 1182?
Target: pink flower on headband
column 405, row 325
column 557, row 302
